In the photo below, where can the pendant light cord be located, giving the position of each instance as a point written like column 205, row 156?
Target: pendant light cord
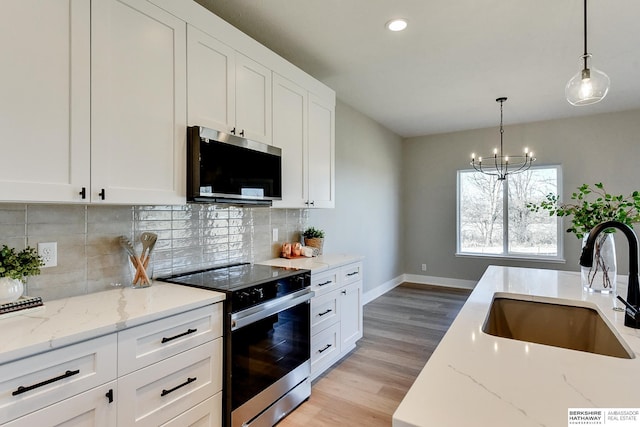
column 585, row 35
column 501, row 128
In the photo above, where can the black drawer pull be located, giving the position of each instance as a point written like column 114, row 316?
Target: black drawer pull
column 189, row 331
column 322, row 350
column 325, row 312
column 352, row 274
column 188, row 381
column 344, row 292
column 109, row 395
column 23, row 389
column 325, row 283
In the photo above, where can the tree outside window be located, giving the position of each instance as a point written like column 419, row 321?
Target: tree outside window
column 493, row 218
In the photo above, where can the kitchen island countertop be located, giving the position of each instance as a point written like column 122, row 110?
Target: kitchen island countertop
column 476, row 379
column 69, row 320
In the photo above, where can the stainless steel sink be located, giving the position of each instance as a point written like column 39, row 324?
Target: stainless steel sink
column 555, row 324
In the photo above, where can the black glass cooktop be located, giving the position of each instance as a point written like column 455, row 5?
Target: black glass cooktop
column 232, row 278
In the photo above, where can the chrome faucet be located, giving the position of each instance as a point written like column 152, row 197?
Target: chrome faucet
column 632, row 312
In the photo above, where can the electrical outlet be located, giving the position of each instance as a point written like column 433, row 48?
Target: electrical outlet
column 424, row 267
column 275, row 234
column 49, row 253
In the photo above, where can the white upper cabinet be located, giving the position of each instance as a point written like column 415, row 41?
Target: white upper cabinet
column 44, row 100
column 211, row 82
column 227, row 91
column 138, row 103
column 303, row 126
column 321, row 153
column 253, row 100
column 290, row 134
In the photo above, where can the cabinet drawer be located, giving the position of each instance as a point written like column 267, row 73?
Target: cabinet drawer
column 351, row 273
column 325, row 281
column 325, row 347
column 91, row 408
column 156, row 394
column 149, row 343
column 29, row 384
column 205, row 414
column 324, row 311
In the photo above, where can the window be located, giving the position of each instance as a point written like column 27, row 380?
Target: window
column 493, row 219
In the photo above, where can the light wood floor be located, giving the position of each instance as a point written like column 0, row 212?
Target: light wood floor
column 401, row 330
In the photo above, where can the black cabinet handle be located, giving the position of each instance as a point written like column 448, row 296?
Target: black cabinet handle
column 233, row 131
column 189, row 331
column 324, row 349
column 344, row 292
column 83, row 193
column 24, row 389
column 188, row 381
column 109, row 395
column 325, row 312
column 325, row 283
column 102, row 194
column 242, row 132
column 312, row 203
column 352, row 274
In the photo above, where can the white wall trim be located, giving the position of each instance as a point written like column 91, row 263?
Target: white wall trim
column 374, row 293
column 446, row 282
column 439, row 281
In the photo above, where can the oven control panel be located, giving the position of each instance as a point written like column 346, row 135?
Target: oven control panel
column 257, row 294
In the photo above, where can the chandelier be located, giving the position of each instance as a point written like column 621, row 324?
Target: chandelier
column 589, row 85
column 499, row 164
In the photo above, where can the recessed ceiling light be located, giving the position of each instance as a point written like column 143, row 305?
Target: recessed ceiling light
column 397, row 24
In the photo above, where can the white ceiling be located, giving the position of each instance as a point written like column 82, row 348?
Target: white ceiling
column 444, row 72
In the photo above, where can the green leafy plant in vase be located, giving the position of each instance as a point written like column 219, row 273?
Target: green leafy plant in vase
column 314, row 238
column 14, row 267
column 592, row 205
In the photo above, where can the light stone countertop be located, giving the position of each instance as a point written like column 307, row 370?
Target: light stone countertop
column 70, row 320
column 475, row 379
column 315, row 264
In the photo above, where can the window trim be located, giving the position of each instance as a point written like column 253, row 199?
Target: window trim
column 559, row 258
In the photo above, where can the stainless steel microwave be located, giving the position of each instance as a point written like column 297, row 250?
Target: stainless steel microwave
column 224, row 168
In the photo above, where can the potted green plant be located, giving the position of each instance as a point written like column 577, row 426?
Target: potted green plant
column 314, row 238
column 593, row 205
column 14, row 267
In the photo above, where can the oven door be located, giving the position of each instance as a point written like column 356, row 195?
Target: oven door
column 269, row 342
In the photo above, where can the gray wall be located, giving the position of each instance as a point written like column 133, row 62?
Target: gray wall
column 601, row 148
column 367, row 217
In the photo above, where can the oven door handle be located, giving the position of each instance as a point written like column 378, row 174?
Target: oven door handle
column 254, row 314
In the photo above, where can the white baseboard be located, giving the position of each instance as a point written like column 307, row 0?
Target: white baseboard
column 439, row 281
column 369, row 296
column 446, row 282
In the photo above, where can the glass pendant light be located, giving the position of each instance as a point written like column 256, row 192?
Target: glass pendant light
column 589, row 85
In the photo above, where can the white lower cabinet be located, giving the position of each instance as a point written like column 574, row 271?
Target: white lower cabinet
column 165, row 371
column 38, row 381
column 156, row 394
column 336, row 315
column 205, row 414
column 93, row 408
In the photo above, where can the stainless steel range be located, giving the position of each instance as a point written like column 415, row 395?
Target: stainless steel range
column 266, row 340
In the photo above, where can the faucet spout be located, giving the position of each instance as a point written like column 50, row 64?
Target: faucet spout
column 633, row 288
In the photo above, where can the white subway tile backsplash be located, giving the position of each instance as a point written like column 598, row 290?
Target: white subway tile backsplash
column 189, row 237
